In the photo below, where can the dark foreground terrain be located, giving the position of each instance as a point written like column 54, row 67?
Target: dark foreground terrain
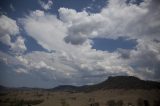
column 115, row 91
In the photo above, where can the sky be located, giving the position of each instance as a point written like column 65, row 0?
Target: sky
column 47, row 43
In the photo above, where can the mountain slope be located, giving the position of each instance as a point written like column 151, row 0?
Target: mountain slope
column 117, row 82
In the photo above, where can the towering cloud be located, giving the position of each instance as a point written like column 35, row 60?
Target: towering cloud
column 8, row 30
column 117, row 19
column 46, row 6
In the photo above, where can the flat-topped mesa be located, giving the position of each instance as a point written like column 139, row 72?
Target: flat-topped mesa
column 114, row 82
column 122, row 78
column 128, row 82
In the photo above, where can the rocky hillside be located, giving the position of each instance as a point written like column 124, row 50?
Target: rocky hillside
column 117, row 82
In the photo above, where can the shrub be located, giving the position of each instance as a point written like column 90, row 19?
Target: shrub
column 94, row 104
column 6, row 100
column 119, row 103
column 91, row 100
column 64, row 103
column 19, row 103
column 156, row 103
column 111, row 103
column 34, row 102
column 73, row 98
column 39, row 95
column 146, row 103
column 3, row 93
column 140, row 102
column 130, row 104
column 26, row 102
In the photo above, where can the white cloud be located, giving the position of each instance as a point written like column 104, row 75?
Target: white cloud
column 46, row 6
column 8, row 27
column 38, row 13
column 21, row 70
column 22, row 60
column 18, row 46
column 118, row 19
column 7, row 59
column 73, row 68
column 6, row 40
column 8, row 30
column 45, row 28
column 145, row 59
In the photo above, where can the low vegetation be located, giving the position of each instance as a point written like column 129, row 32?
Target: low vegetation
column 16, row 102
column 64, row 103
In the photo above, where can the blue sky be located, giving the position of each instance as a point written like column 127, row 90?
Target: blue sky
column 113, row 44
column 46, row 43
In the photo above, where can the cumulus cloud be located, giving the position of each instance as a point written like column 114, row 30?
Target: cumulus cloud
column 118, row 19
column 8, row 30
column 21, row 70
column 18, row 46
column 145, row 59
column 45, row 28
column 46, row 6
column 67, row 68
column 38, row 13
column 8, row 27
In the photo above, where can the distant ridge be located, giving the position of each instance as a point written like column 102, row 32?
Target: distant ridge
column 116, row 82
column 2, row 88
column 127, row 82
column 66, row 88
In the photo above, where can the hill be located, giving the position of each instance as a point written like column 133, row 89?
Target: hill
column 117, row 82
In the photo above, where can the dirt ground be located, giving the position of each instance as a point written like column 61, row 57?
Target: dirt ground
column 117, row 97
